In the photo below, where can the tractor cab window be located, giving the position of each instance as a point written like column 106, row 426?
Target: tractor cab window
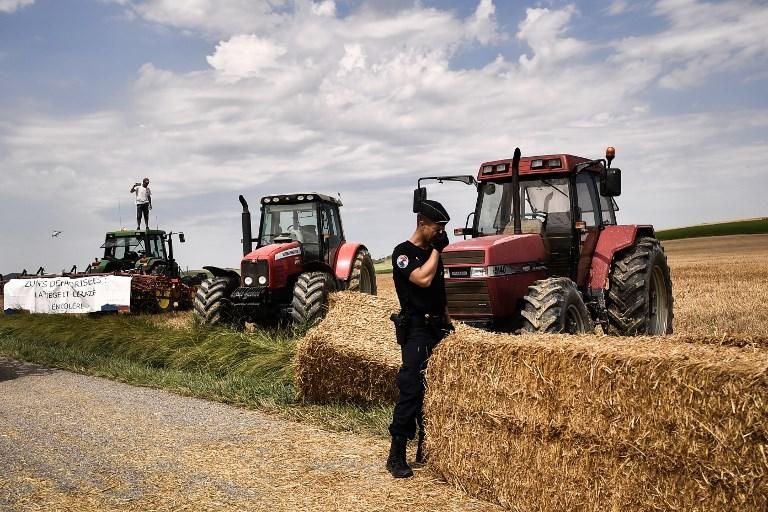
column 331, row 232
column 587, row 197
column 542, row 202
column 608, row 207
column 299, row 221
column 129, row 247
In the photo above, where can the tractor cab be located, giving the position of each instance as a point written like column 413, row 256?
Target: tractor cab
column 311, row 219
column 545, row 247
column 558, row 198
column 149, row 251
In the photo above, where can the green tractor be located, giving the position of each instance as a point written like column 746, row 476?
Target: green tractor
column 150, row 252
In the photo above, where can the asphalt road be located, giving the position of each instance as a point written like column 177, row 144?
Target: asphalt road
column 73, row 442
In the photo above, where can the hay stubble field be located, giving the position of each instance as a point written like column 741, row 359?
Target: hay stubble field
column 720, row 292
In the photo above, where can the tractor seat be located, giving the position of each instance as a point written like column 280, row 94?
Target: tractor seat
column 309, row 234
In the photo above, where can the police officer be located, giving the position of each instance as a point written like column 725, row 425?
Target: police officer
column 423, row 321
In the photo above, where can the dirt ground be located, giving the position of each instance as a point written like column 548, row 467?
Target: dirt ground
column 78, row 443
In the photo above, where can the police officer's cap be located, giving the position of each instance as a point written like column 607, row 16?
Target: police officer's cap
column 434, row 211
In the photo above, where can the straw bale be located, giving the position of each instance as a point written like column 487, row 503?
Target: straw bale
column 352, row 354
column 599, row 423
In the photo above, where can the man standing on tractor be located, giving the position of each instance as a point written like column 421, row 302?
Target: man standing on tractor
column 422, row 322
column 143, row 202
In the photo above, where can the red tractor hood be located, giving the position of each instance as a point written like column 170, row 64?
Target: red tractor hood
column 270, row 251
column 496, row 250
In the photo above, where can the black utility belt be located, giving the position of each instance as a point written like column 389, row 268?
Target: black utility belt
column 426, row 319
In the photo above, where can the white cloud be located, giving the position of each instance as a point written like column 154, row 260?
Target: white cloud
column 543, row 31
column 324, row 8
column 482, row 24
column 245, row 56
column 9, row 6
column 365, row 104
column 702, row 39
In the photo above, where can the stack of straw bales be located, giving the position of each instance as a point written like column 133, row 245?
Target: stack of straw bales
column 352, row 354
column 598, row 423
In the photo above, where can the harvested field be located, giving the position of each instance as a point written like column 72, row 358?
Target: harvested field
column 593, row 422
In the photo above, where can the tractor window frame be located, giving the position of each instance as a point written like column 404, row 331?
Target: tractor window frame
column 585, row 182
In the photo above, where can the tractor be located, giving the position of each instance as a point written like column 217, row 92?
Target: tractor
column 147, row 256
column 542, row 252
column 301, row 256
column 126, row 250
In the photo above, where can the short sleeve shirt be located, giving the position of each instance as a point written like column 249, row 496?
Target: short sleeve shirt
column 143, row 194
column 414, row 299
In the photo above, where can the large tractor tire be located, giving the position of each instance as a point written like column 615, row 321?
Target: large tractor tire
column 555, row 305
column 212, row 305
column 639, row 297
column 363, row 276
column 310, row 297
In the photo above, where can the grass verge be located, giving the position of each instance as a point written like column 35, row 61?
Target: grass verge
column 251, row 369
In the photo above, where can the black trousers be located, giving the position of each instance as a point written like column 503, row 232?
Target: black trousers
column 142, row 209
column 415, row 352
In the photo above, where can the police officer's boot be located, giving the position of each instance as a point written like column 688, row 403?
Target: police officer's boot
column 421, row 457
column 396, row 463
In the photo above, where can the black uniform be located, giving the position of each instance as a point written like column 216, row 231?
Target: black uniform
column 425, row 311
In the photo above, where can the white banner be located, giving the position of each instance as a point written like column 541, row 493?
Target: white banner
column 68, row 295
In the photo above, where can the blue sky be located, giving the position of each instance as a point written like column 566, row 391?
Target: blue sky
column 216, row 98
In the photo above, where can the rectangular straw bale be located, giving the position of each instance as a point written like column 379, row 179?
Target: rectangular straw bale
column 352, row 355
column 597, row 423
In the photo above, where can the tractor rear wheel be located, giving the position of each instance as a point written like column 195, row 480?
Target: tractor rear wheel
column 363, row 276
column 310, row 297
column 212, row 305
column 639, row 299
column 555, row 305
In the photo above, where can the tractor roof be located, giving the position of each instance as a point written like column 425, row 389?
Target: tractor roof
column 309, row 197
column 126, row 233
column 530, row 165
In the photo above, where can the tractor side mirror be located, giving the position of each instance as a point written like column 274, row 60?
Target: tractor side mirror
column 419, row 195
column 610, row 182
column 181, row 238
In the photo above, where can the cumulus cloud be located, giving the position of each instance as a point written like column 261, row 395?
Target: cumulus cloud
column 543, row 30
column 9, row 6
column 365, row 104
column 701, row 39
column 245, row 56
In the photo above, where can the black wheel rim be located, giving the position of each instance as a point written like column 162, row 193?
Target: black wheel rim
column 574, row 322
column 658, row 303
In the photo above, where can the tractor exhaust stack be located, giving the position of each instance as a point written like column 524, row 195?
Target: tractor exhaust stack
column 518, row 230
column 246, row 220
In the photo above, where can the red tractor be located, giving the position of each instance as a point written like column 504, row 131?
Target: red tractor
column 546, row 253
column 301, row 256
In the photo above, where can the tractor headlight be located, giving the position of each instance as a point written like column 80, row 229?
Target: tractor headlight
column 248, row 281
column 478, row 272
column 262, row 280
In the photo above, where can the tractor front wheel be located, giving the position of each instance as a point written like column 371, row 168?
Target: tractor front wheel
column 212, row 304
column 363, row 276
column 310, row 297
column 639, row 299
column 555, row 305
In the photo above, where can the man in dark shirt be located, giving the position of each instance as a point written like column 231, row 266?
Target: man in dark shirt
column 418, row 274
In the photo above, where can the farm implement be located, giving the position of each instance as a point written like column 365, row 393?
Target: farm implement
column 301, row 256
column 543, row 252
column 146, row 257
